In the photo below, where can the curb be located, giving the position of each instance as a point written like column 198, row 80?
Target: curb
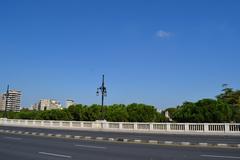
column 123, row 140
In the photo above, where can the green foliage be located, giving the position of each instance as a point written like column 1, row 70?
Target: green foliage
column 141, row 113
column 95, row 112
column 26, row 115
column 55, row 114
column 230, row 96
column 236, row 114
column 225, row 108
column 78, row 112
column 41, row 115
column 206, row 110
column 160, row 118
column 1, row 114
column 171, row 111
column 115, row 113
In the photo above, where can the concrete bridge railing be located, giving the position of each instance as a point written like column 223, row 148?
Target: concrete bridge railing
column 185, row 128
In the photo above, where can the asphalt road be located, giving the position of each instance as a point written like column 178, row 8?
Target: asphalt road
column 143, row 136
column 20, row 147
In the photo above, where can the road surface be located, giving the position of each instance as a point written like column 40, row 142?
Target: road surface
column 143, row 136
column 23, row 147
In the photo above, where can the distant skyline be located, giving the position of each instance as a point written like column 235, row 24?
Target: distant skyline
column 155, row 52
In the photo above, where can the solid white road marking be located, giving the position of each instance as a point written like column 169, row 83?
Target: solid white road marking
column 168, row 142
column 12, row 138
column 222, row 145
column 153, row 141
column 216, row 156
column 185, row 143
column 87, row 146
column 137, row 141
column 54, row 154
column 203, row 144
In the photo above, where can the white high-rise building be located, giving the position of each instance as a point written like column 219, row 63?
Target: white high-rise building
column 2, row 102
column 13, row 101
column 69, row 102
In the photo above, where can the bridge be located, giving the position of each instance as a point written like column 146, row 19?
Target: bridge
column 119, row 140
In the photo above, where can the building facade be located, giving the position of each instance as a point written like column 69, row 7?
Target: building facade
column 46, row 104
column 2, row 102
column 69, row 102
column 13, row 101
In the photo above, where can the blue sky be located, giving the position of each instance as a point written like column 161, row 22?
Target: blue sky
column 156, row 52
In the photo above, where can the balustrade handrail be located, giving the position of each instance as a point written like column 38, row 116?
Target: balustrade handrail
column 128, row 126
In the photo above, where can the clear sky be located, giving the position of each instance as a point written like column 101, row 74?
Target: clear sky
column 156, row 52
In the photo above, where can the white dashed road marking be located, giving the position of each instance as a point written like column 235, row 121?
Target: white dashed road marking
column 87, row 146
column 217, row 156
column 13, row 138
column 55, row 155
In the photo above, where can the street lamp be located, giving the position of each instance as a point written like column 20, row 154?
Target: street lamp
column 103, row 91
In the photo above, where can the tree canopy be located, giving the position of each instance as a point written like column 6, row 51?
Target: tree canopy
column 114, row 113
column 225, row 108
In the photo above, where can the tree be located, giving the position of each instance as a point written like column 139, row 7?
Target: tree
column 94, row 112
column 78, row 112
column 141, row 113
column 205, row 110
column 230, row 96
column 160, row 117
column 117, row 113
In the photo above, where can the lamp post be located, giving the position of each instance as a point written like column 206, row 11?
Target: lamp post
column 103, row 91
column 7, row 93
